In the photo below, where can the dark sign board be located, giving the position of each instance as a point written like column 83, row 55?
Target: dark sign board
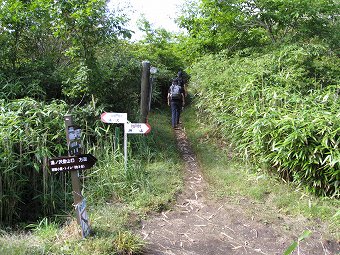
column 72, row 163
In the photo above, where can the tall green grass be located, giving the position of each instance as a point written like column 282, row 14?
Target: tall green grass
column 152, row 175
column 242, row 182
column 117, row 198
column 279, row 107
column 31, row 132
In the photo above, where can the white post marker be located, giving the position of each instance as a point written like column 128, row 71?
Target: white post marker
column 125, row 147
column 117, row 118
column 129, row 128
column 137, row 128
column 84, row 219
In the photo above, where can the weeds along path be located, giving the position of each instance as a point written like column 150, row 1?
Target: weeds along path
column 198, row 225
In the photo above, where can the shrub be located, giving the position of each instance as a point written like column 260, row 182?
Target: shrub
column 279, row 107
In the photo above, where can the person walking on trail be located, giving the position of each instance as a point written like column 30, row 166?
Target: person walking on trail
column 181, row 77
column 176, row 101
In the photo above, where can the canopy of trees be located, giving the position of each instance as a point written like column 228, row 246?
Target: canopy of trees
column 215, row 25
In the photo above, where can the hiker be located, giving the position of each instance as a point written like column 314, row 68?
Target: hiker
column 181, row 77
column 176, row 101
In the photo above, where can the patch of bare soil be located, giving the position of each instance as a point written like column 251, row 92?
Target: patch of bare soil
column 200, row 225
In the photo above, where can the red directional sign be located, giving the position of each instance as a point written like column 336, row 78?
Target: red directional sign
column 114, row 117
column 72, row 163
column 137, row 128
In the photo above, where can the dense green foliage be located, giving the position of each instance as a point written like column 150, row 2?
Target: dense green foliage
column 279, row 107
column 215, row 25
column 236, row 179
column 61, row 57
column 117, row 198
column 30, row 133
column 58, row 50
column 272, row 86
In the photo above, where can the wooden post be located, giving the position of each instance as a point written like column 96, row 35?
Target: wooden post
column 145, row 88
column 77, row 197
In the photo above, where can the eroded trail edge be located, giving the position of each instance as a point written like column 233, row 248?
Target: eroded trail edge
column 199, row 225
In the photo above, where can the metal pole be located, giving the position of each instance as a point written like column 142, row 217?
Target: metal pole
column 125, row 146
column 116, row 140
column 150, row 93
column 145, row 88
column 77, row 197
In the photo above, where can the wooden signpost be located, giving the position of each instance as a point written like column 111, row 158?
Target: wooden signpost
column 74, row 162
column 145, row 90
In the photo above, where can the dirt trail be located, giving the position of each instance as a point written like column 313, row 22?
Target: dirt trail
column 198, row 225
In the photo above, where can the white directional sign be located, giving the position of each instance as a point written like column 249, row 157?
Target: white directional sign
column 137, row 128
column 114, row 117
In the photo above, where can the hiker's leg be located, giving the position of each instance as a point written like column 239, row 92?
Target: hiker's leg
column 179, row 112
column 173, row 114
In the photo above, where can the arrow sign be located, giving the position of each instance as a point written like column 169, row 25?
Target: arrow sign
column 72, row 163
column 137, row 128
column 114, row 117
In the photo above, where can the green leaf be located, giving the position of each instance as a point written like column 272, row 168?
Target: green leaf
column 304, row 235
column 291, row 248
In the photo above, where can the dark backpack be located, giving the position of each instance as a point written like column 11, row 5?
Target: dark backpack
column 175, row 92
column 180, row 81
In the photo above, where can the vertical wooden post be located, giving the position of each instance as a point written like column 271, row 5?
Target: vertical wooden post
column 77, row 197
column 145, row 88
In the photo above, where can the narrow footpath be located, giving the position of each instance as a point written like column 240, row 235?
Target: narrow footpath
column 197, row 225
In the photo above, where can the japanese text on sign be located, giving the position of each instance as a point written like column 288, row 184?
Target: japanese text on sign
column 80, row 162
column 114, row 117
column 137, row 128
column 68, row 168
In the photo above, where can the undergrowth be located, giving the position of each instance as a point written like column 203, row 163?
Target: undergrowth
column 117, row 198
column 279, row 107
column 238, row 180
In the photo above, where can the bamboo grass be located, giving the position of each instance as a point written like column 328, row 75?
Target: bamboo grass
column 278, row 107
column 31, row 132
